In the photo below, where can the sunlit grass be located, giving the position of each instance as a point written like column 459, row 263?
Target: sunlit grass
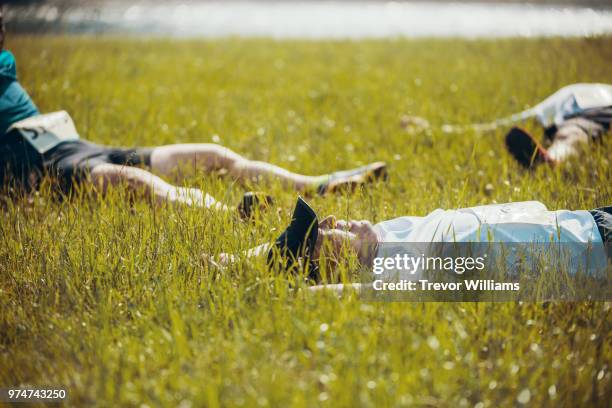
column 112, row 300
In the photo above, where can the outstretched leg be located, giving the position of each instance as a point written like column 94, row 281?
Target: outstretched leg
column 153, row 188
column 571, row 135
column 166, row 160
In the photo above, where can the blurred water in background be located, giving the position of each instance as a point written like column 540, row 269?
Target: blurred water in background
column 325, row 19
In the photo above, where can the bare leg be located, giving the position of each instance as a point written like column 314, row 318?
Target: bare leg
column 570, row 136
column 152, row 187
column 167, row 159
column 566, row 143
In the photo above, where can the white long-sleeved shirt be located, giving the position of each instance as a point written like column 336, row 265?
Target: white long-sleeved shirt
column 527, row 222
column 522, row 222
column 569, row 101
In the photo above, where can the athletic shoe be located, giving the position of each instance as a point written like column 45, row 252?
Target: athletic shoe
column 252, row 200
column 526, row 149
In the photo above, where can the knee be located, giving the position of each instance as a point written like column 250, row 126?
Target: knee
column 167, row 159
column 571, row 133
column 578, row 130
column 224, row 158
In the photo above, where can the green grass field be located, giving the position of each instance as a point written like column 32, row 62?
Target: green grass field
column 112, row 301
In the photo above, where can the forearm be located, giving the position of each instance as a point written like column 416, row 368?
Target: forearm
column 225, row 259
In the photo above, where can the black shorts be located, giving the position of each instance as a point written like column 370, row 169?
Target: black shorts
column 68, row 163
column 72, row 161
column 603, row 219
column 594, row 122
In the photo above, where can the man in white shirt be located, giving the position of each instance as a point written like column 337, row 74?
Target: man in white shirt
column 514, row 223
column 571, row 117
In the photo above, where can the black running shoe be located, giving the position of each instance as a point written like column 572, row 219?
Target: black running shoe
column 252, row 200
column 525, row 149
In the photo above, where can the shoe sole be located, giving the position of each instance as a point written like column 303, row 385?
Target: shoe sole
column 524, row 148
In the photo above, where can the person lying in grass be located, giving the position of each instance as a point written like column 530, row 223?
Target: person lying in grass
column 573, row 117
column 306, row 239
column 34, row 145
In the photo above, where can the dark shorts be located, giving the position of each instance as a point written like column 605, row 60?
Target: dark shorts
column 73, row 161
column 603, row 219
column 68, row 163
column 593, row 122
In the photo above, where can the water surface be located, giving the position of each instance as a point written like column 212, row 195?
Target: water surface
column 346, row 19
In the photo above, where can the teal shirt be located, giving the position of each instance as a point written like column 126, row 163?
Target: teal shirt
column 15, row 103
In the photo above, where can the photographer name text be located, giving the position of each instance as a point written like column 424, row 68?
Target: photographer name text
column 426, row 285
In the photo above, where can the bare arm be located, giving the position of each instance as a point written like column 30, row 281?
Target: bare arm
column 225, row 259
column 338, row 288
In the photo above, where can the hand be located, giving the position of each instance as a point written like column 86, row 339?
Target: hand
column 359, row 236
